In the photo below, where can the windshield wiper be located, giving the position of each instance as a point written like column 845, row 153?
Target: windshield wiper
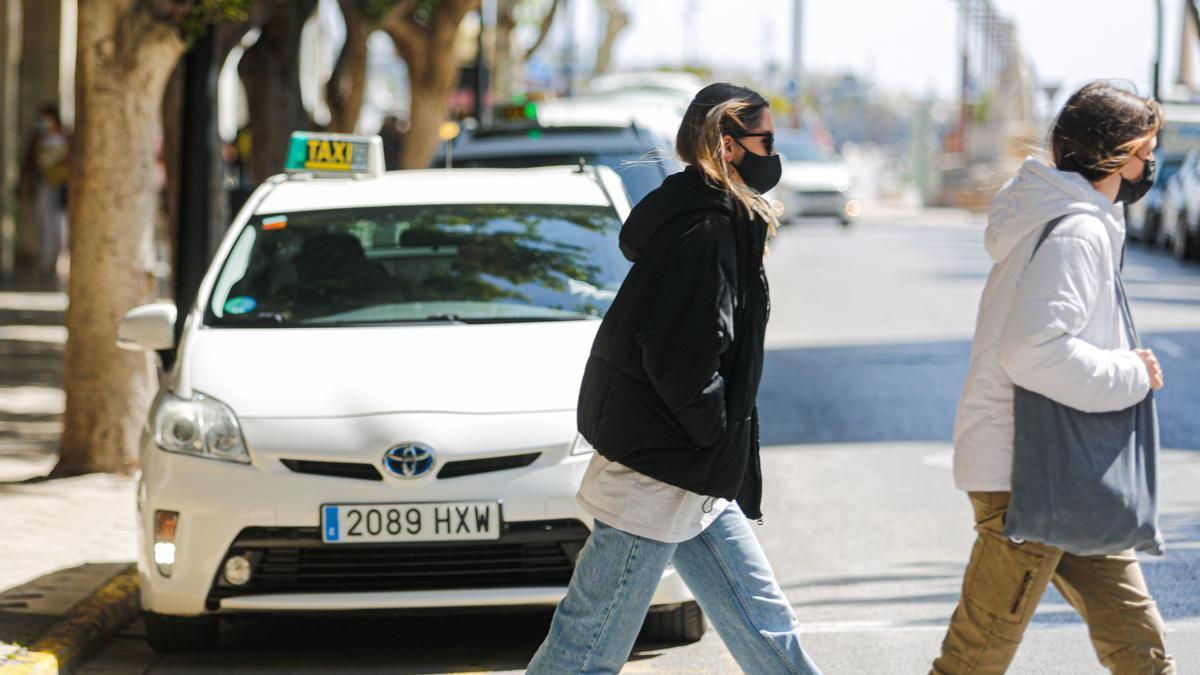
column 447, row 318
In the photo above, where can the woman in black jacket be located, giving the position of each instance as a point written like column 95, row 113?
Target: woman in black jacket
column 668, row 401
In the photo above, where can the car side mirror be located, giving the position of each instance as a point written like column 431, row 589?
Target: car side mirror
column 148, row 328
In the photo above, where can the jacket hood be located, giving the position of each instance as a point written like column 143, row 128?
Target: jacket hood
column 1038, row 194
column 680, row 193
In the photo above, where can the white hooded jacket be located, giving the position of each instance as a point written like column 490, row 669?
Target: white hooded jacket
column 1051, row 325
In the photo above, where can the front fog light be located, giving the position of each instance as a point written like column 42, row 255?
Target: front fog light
column 165, row 525
column 237, row 570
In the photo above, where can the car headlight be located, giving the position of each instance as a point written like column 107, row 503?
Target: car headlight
column 200, row 426
column 581, row 446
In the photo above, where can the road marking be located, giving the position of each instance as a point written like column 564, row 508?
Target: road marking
column 33, row 302
column 47, row 334
column 943, row 459
column 1169, row 347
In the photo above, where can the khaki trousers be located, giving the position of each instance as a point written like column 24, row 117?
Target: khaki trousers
column 1005, row 581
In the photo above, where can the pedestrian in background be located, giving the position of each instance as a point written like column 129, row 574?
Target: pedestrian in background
column 668, row 401
column 392, row 131
column 44, row 172
column 1052, row 321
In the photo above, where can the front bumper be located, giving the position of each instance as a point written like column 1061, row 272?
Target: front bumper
column 812, row 202
column 272, row 512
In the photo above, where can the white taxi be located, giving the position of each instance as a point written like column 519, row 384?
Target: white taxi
column 372, row 404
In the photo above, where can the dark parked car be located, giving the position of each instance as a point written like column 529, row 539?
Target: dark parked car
column 641, row 157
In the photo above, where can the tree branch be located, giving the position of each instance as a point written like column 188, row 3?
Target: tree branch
column 398, row 24
column 544, row 31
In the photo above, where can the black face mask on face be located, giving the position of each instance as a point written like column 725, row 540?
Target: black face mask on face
column 759, row 172
column 1131, row 191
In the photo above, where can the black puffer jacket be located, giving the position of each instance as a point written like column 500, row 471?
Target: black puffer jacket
column 670, row 387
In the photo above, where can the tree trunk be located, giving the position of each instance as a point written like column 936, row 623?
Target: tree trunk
column 617, row 20
column 124, row 59
column 272, row 79
column 428, row 109
column 428, row 52
column 504, row 59
column 348, row 82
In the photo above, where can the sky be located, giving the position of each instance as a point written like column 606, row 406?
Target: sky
column 904, row 45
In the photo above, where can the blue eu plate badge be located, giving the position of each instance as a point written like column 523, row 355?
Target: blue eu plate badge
column 331, row 523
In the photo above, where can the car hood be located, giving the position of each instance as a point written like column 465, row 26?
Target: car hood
column 335, row 372
column 816, row 175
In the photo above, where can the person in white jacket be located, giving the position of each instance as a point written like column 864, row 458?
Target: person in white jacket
column 1051, row 323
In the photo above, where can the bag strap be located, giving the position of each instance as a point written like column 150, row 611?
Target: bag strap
column 1122, row 301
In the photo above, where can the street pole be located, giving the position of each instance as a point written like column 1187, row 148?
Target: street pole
column 569, row 47
column 1158, row 49
column 200, row 216
column 797, row 60
column 480, row 65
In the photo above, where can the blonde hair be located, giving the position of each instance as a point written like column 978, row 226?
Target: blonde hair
column 700, row 144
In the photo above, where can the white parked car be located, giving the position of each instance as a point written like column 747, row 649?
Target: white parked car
column 1180, row 228
column 815, row 182
column 373, row 401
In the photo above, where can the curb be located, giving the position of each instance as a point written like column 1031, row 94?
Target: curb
column 81, row 629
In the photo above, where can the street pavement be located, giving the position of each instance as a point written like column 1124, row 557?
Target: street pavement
column 867, row 349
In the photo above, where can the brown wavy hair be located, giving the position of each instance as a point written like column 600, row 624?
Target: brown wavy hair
column 1100, row 128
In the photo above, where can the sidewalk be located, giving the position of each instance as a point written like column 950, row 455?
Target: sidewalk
column 64, row 539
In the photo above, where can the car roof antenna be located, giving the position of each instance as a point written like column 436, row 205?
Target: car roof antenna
column 581, row 167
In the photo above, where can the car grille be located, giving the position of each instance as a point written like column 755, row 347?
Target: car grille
column 335, row 469
column 295, row 560
column 455, row 469
column 470, row 467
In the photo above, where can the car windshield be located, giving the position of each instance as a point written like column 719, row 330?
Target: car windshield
column 639, row 173
column 485, row 263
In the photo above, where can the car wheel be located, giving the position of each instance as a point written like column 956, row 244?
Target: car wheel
column 1189, row 246
column 683, row 624
column 1181, row 240
column 180, row 633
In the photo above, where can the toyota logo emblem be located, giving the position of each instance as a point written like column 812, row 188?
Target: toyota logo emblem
column 408, row 461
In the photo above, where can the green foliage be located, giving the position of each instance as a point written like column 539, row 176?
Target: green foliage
column 374, row 10
column 202, row 13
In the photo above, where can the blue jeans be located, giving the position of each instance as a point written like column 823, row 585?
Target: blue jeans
column 596, row 624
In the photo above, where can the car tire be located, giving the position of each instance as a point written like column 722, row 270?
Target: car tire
column 1183, row 242
column 167, row 634
column 1149, row 233
column 683, row 624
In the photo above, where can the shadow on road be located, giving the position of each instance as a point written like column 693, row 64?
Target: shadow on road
column 909, row 392
column 358, row 644
column 31, row 353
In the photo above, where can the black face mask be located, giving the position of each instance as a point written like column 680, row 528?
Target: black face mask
column 759, row 172
column 1131, row 191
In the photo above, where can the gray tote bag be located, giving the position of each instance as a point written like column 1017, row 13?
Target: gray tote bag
column 1085, row 482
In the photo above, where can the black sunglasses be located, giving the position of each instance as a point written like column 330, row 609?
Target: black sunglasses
column 768, row 139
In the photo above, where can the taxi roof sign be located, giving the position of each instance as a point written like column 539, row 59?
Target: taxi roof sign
column 334, row 155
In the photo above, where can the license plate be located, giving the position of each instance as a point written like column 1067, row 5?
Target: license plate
column 453, row 521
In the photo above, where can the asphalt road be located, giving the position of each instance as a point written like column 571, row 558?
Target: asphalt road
column 868, row 347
